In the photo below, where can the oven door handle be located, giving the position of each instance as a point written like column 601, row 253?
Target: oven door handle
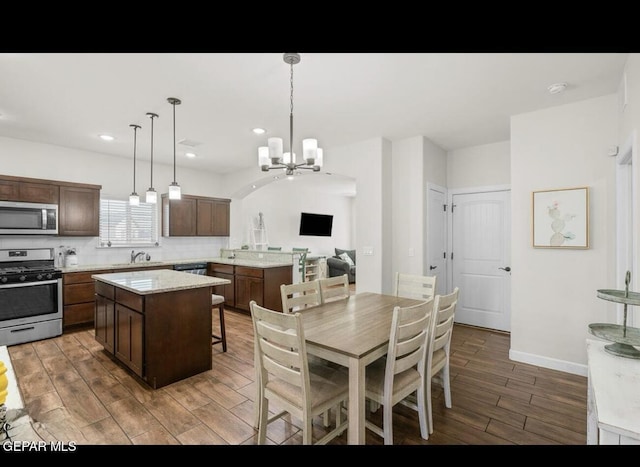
column 28, row 284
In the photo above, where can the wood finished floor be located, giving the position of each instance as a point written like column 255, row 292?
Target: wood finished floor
column 72, row 387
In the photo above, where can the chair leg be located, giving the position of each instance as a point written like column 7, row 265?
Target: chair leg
column 446, row 383
column 427, row 396
column 422, row 413
column 387, row 422
column 222, row 338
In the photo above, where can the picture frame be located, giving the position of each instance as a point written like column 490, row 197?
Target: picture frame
column 560, row 218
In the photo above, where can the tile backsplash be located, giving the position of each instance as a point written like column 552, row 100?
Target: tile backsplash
column 88, row 252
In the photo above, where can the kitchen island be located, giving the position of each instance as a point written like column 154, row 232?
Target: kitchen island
column 156, row 322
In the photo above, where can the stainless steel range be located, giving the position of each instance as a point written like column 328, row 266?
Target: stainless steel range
column 30, row 295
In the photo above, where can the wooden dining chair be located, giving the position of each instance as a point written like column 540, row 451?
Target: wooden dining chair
column 439, row 349
column 300, row 296
column 414, row 286
column 287, row 378
column 334, row 288
column 401, row 373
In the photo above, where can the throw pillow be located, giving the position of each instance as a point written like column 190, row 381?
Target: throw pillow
column 347, row 258
column 351, row 253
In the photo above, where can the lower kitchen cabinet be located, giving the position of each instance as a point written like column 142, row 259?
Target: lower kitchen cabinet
column 78, row 298
column 251, row 283
column 224, row 271
column 129, row 343
column 104, row 319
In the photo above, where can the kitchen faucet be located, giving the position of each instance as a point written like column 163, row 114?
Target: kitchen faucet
column 135, row 255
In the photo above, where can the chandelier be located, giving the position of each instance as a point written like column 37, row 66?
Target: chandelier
column 271, row 156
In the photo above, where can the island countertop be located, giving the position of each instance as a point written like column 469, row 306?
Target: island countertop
column 158, row 281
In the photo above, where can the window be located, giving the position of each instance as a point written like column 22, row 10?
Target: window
column 128, row 226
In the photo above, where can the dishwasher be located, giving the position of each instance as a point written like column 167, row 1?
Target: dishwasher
column 192, row 268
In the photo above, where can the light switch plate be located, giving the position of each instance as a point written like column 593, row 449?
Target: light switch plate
column 367, row 250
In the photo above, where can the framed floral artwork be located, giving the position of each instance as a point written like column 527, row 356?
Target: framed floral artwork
column 560, row 218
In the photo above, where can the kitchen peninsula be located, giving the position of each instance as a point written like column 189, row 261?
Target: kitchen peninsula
column 156, row 322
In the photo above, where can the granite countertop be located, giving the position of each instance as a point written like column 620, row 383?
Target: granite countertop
column 158, row 280
column 150, row 264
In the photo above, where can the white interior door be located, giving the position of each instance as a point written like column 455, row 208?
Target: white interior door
column 481, row 246
column 437, row 236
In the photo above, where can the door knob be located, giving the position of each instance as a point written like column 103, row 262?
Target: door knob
column 508, row 269
column 431, row 268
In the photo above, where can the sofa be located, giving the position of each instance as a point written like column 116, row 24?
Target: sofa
column 339, row 264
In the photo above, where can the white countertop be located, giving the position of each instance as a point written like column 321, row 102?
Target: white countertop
column 150, row 264
column 158, row 280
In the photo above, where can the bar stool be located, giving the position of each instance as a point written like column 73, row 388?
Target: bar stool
column 218, row 300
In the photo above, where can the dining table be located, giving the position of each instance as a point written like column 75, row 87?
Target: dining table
column 352, row 332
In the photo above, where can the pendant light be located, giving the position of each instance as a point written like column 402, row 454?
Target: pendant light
column 174, row 188
column 152, row 196
column 134, row 199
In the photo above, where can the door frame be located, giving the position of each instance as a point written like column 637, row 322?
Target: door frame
column 464, row 191
column 626, row 222
column 435, row 187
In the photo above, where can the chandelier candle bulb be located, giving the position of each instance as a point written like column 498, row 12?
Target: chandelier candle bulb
column 275, row 149
column 309, row 150
column 263, row 156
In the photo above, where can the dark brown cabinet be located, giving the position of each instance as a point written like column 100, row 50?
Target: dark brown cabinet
column 104, row 319
column 129, row 334
column 78, row 203
column 224, row 271
column 251, row 283
column 79, row 211
column 11, row 190
column 78, row 298
column 193, row 216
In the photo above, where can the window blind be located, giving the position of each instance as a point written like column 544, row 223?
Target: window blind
column 122, row 224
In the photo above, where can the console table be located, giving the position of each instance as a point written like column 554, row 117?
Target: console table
column 613, row 398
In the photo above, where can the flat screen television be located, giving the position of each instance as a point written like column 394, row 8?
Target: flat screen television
column 318, row 225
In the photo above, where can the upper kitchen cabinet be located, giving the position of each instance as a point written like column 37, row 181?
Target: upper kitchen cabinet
column 79, row 210
column 28, row 190
column 193, row 216
column 78, row 203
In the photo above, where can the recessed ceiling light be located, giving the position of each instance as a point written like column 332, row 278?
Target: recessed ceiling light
column 106, row 137
column 253, row 186
column 259, row 131
column 555, row 88
column 190, row 154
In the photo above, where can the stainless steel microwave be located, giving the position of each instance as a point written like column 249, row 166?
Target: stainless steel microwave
column 19, row 218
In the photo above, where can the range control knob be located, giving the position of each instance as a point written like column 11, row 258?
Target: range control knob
column 39, row 277
column 49, row 276
column 3, row 280
column 22, row 278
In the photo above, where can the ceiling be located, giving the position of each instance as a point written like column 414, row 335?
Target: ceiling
column 454, row 99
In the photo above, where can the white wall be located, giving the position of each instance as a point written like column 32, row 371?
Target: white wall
column 416, row 162
column 484, row 165
column 36, row 160
column 554, row 294
column 408, row 234
column 281, row 208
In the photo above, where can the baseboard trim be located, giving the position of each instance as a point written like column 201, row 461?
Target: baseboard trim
column 546, row 362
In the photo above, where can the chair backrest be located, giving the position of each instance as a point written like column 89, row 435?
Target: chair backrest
column 334, row 288
column 415, row 286
column 274, row 248
column 300, row 296
column 442, row 327
column 408, row 341
column 281, row 353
